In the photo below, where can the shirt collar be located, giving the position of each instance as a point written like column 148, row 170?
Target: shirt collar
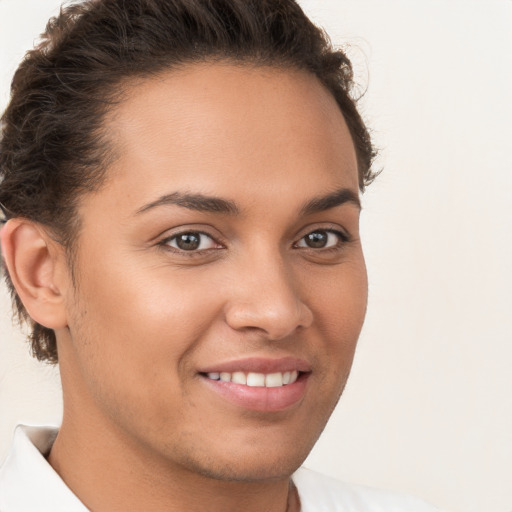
column 28, row 482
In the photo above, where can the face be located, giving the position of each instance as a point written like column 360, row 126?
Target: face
column 221, row 282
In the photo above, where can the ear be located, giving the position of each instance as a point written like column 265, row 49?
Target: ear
column 35, row 264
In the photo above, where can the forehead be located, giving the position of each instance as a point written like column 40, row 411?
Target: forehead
column 229, row 128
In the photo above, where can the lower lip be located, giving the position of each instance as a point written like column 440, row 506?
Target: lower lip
column 261, row 399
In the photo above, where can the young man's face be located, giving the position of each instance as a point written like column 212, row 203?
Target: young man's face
column 225, row 242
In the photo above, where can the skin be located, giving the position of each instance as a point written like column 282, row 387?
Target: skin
column 142, row 429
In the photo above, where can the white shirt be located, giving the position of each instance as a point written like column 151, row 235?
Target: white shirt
column 29, row 484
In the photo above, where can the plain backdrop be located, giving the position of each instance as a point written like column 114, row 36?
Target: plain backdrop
column 428, row 408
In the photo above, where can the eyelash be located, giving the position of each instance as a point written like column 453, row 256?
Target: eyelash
column 165, row 243
column 342, row 239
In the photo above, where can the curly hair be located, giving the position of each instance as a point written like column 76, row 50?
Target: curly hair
column 52, row 145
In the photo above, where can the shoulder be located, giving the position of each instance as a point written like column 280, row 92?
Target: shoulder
column 320, row 493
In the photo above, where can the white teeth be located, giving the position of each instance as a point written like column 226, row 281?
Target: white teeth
column 225, row 377
column 274, row 380
column 239, row 378
column 252, row 379
column 256, row 379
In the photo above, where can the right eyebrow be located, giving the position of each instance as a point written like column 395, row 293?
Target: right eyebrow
column 198, row 202
column 332, row 200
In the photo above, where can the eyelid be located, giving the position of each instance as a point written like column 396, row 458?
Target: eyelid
column 171, row 234
column 164, row 241
column 343, row 234
column 340, row 239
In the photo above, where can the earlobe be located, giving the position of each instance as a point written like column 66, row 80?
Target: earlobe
column 33, row 259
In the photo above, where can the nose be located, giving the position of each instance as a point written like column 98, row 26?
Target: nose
column 265, row 299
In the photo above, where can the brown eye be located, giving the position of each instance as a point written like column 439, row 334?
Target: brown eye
column 321, row 239
column 316, row 240
column 191, row 241
column 188, row 241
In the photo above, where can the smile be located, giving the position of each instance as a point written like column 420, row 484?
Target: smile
column 252, row 379
column 259, row 384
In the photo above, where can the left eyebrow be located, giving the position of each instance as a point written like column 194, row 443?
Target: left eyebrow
column 336, row 198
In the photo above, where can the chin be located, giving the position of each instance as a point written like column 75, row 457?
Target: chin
column 243, row 470
column 252, row 462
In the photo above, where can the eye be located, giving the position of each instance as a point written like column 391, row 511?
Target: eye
column 321, row 239
column 191, row 241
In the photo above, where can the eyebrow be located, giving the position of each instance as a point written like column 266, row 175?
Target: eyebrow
column 198, row 202
column 202, row 203
column 336, row 198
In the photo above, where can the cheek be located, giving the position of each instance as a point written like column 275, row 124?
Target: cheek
column 134, row 332
column 156, row 303
column 339, row 309
column 341, row 298
column 135, row 326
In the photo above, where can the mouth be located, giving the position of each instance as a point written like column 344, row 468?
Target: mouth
column 256, row 380
column 263, row 385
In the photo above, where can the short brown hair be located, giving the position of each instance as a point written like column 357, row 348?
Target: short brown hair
column 52, row 148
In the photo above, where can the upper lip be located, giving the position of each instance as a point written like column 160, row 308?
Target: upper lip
column 259, row 365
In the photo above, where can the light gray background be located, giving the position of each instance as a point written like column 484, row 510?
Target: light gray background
column 428, row 408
